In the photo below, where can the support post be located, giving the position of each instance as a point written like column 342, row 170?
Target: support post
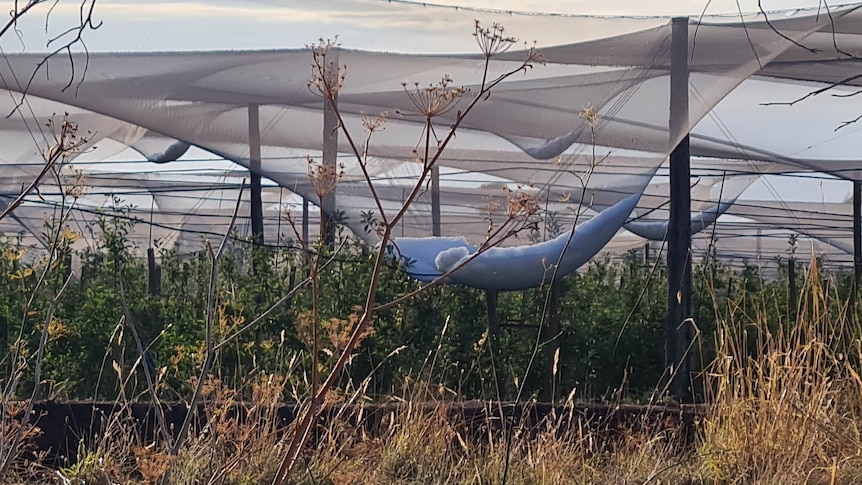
column 647, row 263
column 305, row 220
column 328, row 205
column 679, row 360
column 254, row 169
column 494, row 334
column 792, row 291
column 491, row 304
column 154, row 274
column 435, row 200
column 551, row 337
column 857, row 246
column 759, row 244
column 154, row 288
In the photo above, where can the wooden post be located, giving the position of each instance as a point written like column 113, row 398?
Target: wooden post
column 305, row 221
column 491, row 304
column 679, row 360
column 154, row 274
column 435, row 200
column 647, row 263
column 758, row 243
column 494, row 334
column 328, row 205
column 857, row 246
column 792, row 292
column 254, row 169
column 552, row 331
column 154, row 288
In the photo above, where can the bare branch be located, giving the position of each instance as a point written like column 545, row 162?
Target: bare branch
column 86, row 22
column 67, row 142
column 816, row 92
column 16, row 14
column 748, row 34
column 838, row 50
column 781, row 34
column 697, row 27
column 491, row 42
column 847, row 123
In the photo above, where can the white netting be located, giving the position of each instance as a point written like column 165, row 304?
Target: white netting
column 528, row 133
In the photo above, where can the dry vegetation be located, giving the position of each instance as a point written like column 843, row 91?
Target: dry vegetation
column 783, row 405
column 783, row 400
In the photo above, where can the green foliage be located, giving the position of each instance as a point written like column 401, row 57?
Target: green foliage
column 611, row 342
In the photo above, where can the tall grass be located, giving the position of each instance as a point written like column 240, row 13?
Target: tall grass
column 784, row 400
column 783, row 404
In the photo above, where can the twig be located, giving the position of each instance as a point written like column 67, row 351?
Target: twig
column 590, row 116
column 16, row 14
column 263, row 315
column 848, row 122
column 160, row 414
column 697, row 27
column 37, row 376
column 215, row 257
column 748, row 34
column 839, row 51
column 86, row 22
column 781, row 34
column 49, row 163
column 492, row 42
column 816, row 92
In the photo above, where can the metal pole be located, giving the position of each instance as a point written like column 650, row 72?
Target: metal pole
column 305, row 220
column 494, row 334
column 758, row 243
column 330, row 153
column 857, row 245
column 678, row 330
column 647, row 257
column 254, row 169
column 552, row 340
column 435, row 200
column 154, row 274
column 792, row 292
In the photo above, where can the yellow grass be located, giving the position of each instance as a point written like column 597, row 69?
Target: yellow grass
column 783, row 406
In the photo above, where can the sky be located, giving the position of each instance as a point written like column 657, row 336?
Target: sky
column 134, row 25
column 182, row 25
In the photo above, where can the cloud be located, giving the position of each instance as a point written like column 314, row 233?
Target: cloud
column 362, row 24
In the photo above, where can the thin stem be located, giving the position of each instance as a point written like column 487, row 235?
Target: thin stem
column 37, row 378
column 585, row 181
column 263, row 315
column 52, row 159
column 315, row 325
column 160, row 414
column 303, row 426
column 215, row 257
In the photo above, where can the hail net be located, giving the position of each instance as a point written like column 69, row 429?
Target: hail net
column 528, row 134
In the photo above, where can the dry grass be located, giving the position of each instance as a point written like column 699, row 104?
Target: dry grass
column 429, row 446
column 413, row 444
column 784, row 403
column 788, row 411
